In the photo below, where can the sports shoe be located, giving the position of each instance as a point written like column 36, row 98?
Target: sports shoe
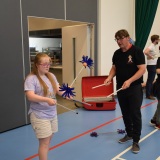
column 135, row 147
column 150, row 97
column 153, row 123
column 157, row 126
column 125, row 139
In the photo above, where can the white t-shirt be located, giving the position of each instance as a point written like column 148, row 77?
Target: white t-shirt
column 152, row 52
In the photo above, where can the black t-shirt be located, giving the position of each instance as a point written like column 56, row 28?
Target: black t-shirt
column 126, row 64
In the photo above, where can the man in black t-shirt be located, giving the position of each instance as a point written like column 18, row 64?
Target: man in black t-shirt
column 129, row 67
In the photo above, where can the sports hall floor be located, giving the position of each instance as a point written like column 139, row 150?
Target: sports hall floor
column 73, row 140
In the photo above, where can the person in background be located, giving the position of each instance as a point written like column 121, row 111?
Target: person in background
column 155, row 121
column 150, row 52
column 131, row 41
column 128, row 67
column 41, row 87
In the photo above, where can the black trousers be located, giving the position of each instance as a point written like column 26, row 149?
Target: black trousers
column 130, row 101
column 151, row 76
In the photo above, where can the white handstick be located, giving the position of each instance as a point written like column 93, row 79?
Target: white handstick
column 114, row 92
column 77, row 76
column 100, row 85
column 82, row 102
column 67, row 108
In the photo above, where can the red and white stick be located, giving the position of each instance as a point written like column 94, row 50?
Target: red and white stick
column 101, row 85
column 114, row 92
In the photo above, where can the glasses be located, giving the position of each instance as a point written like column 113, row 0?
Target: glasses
column 119, row 39
column 46, row 65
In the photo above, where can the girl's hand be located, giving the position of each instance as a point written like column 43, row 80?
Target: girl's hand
column 69, row 98
column 51, row 101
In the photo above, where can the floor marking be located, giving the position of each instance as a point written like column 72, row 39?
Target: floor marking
column 158, row 158
column 149, row 104
column 84, row 133
column 116, row 157
column 80, row 135
column 120, row 159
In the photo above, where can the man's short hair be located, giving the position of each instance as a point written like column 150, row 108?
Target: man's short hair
column 154, row 37
column 122, row 33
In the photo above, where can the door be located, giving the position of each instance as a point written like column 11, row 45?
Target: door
column 76, row 42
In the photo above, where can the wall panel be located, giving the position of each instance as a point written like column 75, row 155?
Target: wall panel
column 12, row 112
column 15, row 63
column 85, row 11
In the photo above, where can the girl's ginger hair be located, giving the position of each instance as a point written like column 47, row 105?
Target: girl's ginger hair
column 37, row 61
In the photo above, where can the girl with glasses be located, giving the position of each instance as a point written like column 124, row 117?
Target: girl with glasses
column 41, row 87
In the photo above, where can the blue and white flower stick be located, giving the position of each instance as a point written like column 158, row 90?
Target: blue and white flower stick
column 87, row 62
column 68, row 92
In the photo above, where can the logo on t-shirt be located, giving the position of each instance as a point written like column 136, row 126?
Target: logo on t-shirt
column 130, row 59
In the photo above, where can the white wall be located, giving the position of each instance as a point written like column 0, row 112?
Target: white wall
column 40, row 43
column 115, row 15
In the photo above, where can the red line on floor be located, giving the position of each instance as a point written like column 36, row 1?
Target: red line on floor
column 149, row 104
column 84, row 133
